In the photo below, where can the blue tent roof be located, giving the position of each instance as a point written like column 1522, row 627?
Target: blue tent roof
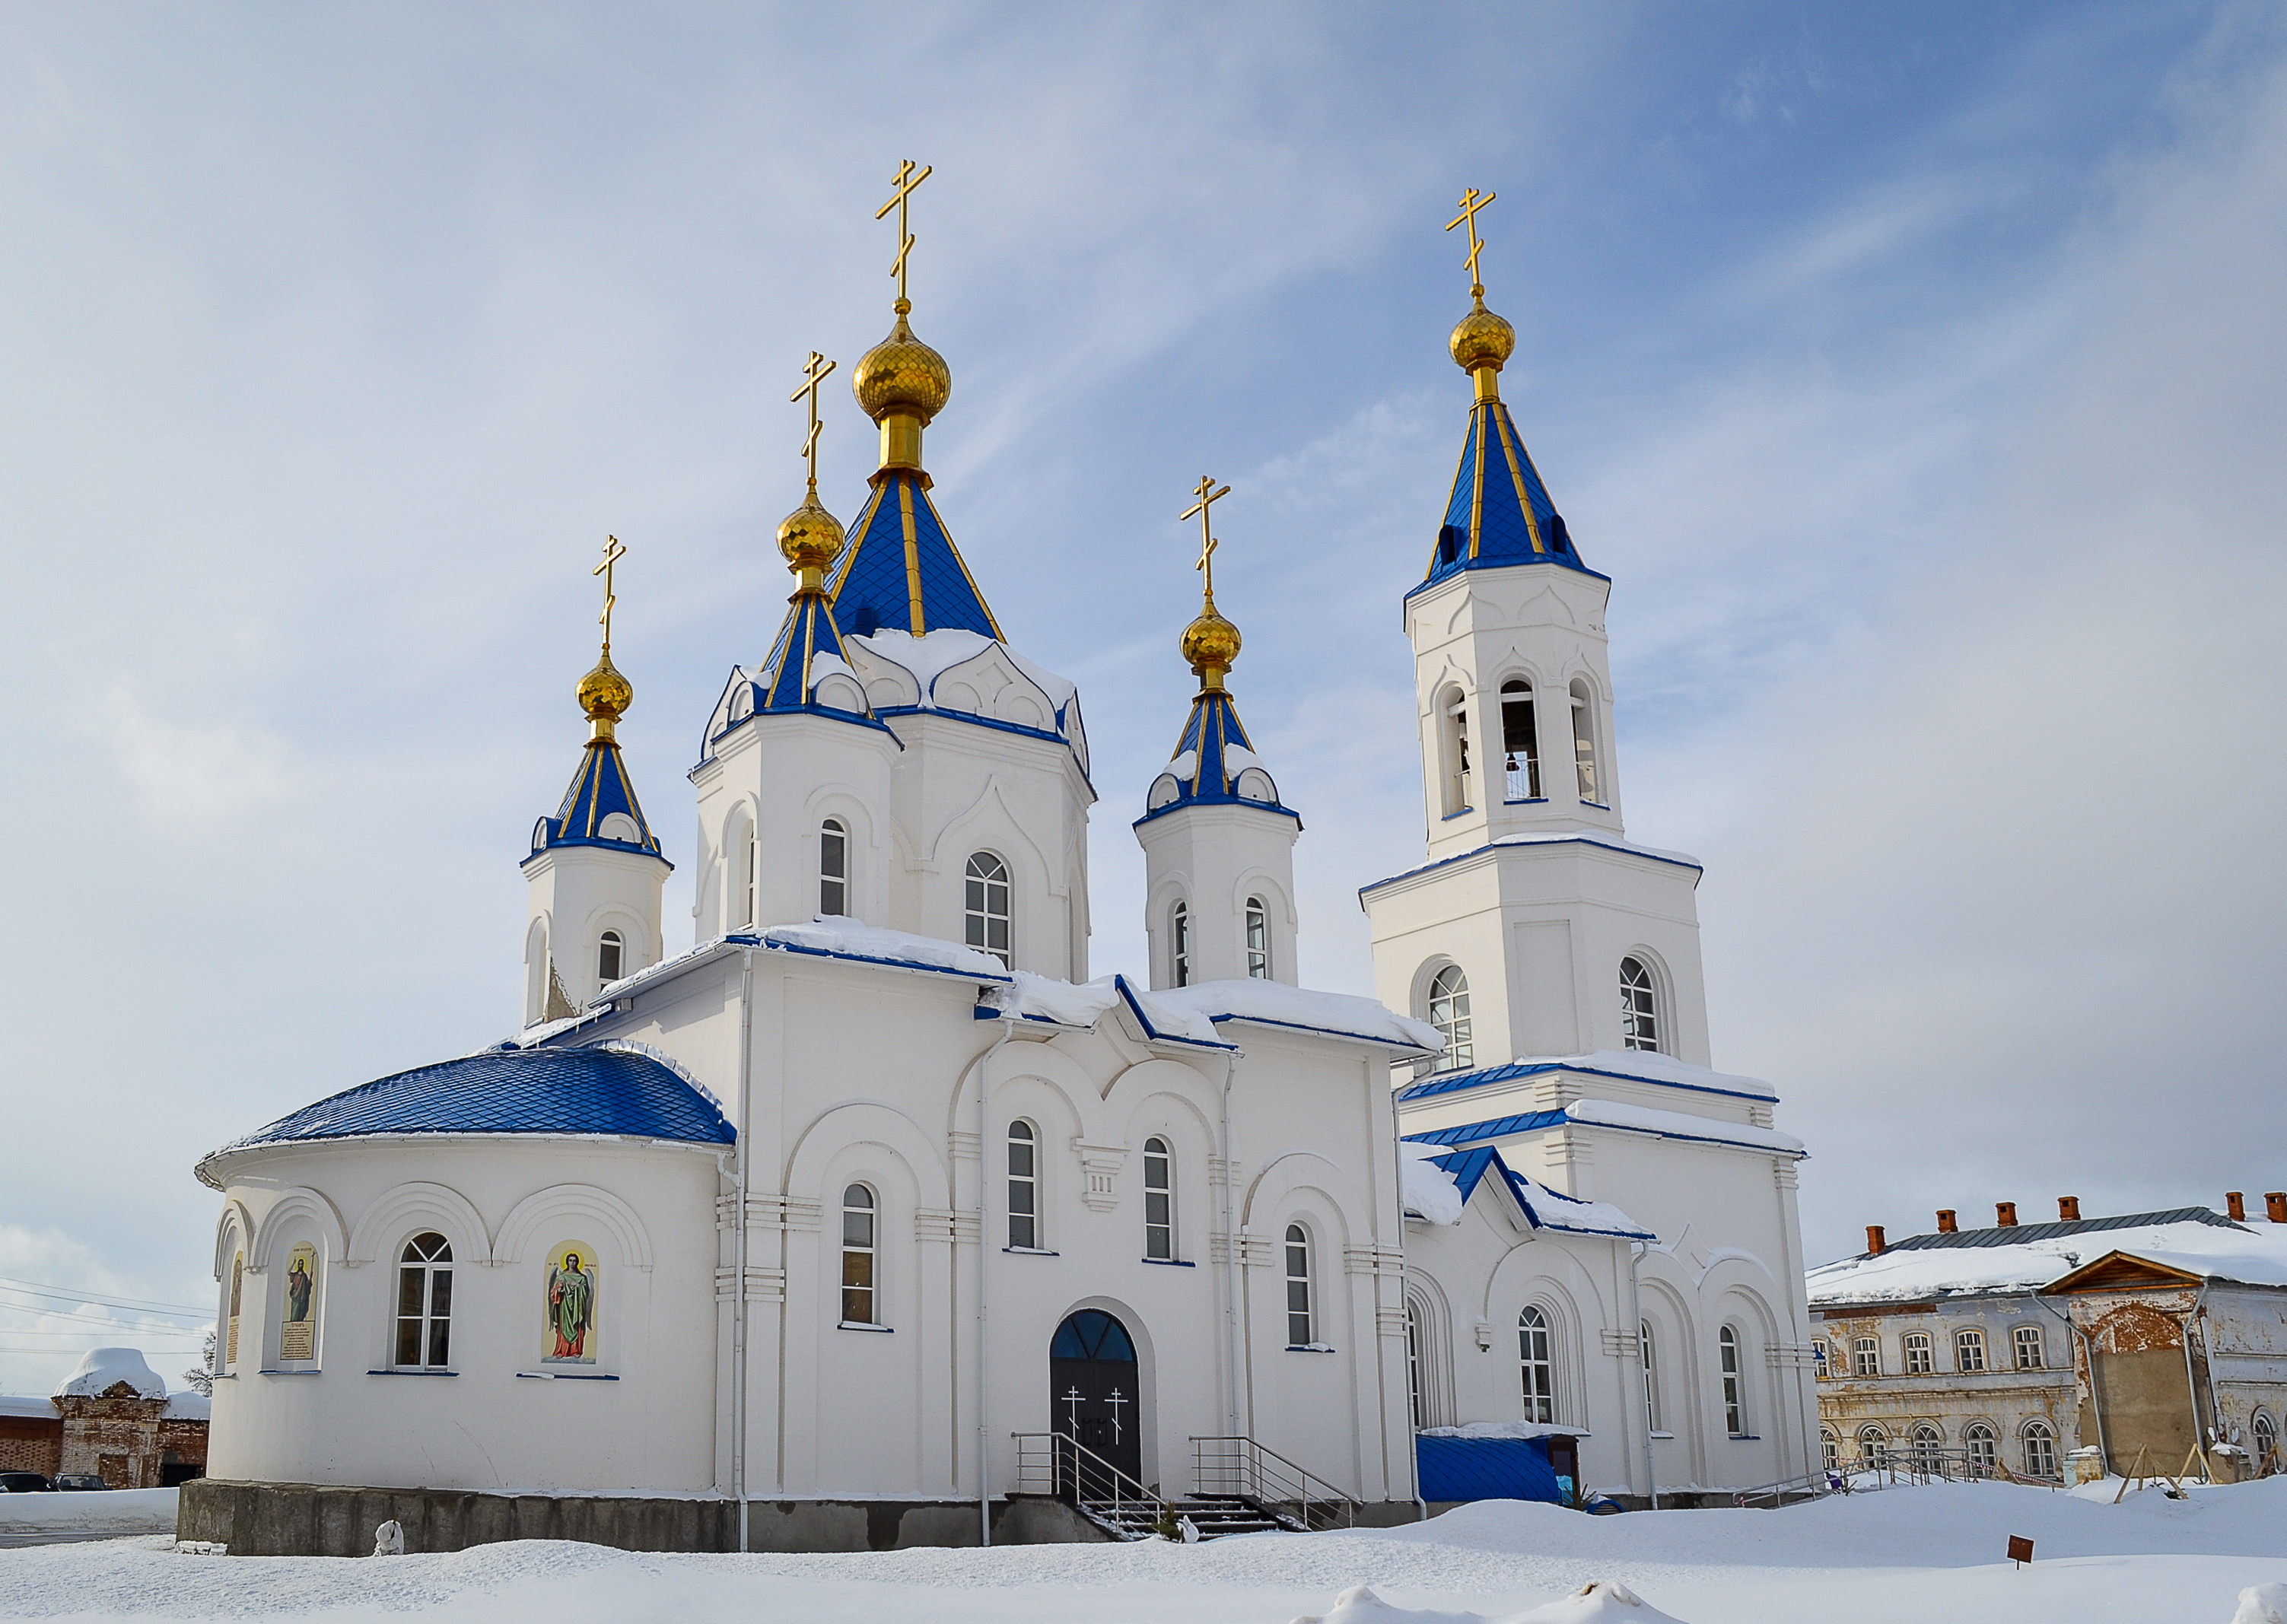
column 1212, row 730
column 515, row 1091
column 599, row 788
column 901, row 569
column 1499, row 512
column 809, row 631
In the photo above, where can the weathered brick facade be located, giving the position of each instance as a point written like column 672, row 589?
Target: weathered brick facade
column 127, row 1440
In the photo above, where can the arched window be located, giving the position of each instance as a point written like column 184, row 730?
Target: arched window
column 1978, row 1442
column 1650, row 1350
column 1639, row 1006
column 1969, row 1350
column 1539, row 1369
column 1449, row 1012
column 1258, row 939
column 1735, row 1394
column 1830, row 1450
column 1453, row 730
column 1158, row 1200
column 833, row 866
column 1300, row 1331
column 1926, row 1444
column 1414, row 1363
column 859, row 1281
column 2029, row 1347
column 1873, row 1446
column 1519, row 741
column 988, row 906
column 1023, row 1188
column 2040, row 1450
column 1179, row 945
column 739, row 868
column 1865, row 1356
column 424, row 1304
column 1920, row 1359
column 611, row 953
column 1584, row 743
column 2263, row 1433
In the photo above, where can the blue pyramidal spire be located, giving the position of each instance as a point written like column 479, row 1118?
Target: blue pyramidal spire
column 902, row 570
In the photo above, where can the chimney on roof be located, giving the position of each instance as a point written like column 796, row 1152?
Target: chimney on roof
column 2275, row 1205
column 1876, row 1246
column 1945, row 1224
column 2067, row 1208
column 2235, row 1206
column 2005, row 1213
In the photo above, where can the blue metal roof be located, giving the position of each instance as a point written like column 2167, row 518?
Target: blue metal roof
column 901, row 569
column 515, row 1091
column 1499, row 513
column 1457, row 1082
column 1478, row 1133
column 809, row 631
column 1212, row 729
column 1467, row 1167
column 1544, row 1207
column 1486, row 1469
column 2017, row 1235
column 599, row 788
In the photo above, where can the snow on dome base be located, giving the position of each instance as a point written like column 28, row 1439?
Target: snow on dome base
column 104, row 1368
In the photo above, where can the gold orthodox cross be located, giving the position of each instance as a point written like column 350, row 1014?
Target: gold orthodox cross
column 612, row 553
column 814, row 373
column 904, row 180
column 1208, row 496
column 1471, row 201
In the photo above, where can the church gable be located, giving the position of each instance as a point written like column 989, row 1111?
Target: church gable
column 2122, row 1271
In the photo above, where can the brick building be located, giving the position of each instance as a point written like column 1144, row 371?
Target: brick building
column 111, row 1418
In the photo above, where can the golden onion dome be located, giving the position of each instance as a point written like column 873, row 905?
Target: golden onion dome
column 1210, row 643
column 810, row 537
column 604, row 693
column 1483, row 339
column 901, row 374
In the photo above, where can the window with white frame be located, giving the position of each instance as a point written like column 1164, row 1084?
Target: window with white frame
column 1414, row 1363
column 1449, row 1012
column 1258, row 939
column 1158, row 1200
column 1920, row 1360
column 1982, row 1448
column 424, row 1304
column 742, row 872
column 1639, row 1005
column 1584, row 743
column 2263, row 1436
column 859, row 1281
column 1735, row 1387
column 1453, row 727
column 2028, row 1340
column 1651, row 1351
column 1023, row 1187
column 833, row 866
column 1969, row 1350
column 1865, row 1356
column 1874, row 1446
column 1179, row 945
column 2041, row 1449
column 1830, row 1450
column 987, row 906
column 1536, row 1366
column 610, row 955
column 1924, row 1444
column 1300, row 1331
column 1520, row 742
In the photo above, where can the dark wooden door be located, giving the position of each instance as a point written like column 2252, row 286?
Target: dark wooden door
column 1093, row 1391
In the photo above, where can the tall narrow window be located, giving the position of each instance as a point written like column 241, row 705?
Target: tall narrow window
column 2040, row 1450
column 1977, row 1440
column 1650, row 1375
column 1299, row 1331
column 1865, row 1356
column 2264, row 1436
column 1537, row 1369
column 1584, row 744
column 1023, row 1188
column 742, row 875
column 1919, row 1360
column 1873, row 1447
column 1449, row 1012
column 1969, row 1350
column 611, row 953
column 424, row 1304
column 1158, row 1200
column 1926, row 1442
column 2029, row 1347
column 1179, row 945
column 1453, row 725
column 988, row 906
column 833, row 866
column 858, row 1278
column 1413, row 1362
column 1735, row 1394
column 1519, row 741
column 1258, row 939
column 1830, row 1450
column 1639, row 1006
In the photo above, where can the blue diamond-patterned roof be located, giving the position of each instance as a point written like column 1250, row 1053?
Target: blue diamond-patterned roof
column 599, row 788
column 1499, row 513
column 787, row 680
column 900, row 569
column 1211, row 733
column 515, row 1091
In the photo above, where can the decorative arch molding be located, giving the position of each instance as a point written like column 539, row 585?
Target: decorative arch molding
column 1142, row 1119
column 299, row 1202
column 841, row 800
column 1418, row 999
column 583, row 1202
column 235, row 1220
column 856, row 1122
column 1012, row 838
column 1047, row 1065
column 1160, row 1075
column 441, row 1206
column 1285, row 1187
column 1730, row 1270
column 1260, row 881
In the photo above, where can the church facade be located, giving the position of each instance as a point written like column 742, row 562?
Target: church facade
column 872, row 1219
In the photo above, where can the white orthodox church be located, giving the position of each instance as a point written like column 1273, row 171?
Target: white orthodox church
column 870, row 1220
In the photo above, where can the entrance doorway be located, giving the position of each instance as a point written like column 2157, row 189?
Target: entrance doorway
column 1093, row 1391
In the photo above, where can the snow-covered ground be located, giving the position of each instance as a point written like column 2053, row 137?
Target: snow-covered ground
column 1903, row 1554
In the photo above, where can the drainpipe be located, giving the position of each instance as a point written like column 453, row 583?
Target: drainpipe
column 984, row 1185
column 1636, row 1249
column 739, row 1244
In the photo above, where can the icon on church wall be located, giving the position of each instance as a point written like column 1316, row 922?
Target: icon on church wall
column 297, row 1334
column 571, row 1306
column 237, row 1290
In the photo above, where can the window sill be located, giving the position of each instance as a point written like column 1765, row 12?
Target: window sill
column 1666, row 1435
column 1450, row 816
column 1030, row 1251
column 1170, row 1263
column 1310, row 1347
column 312, row 1371
column 1600, row 805
column 409, row 1373
column 562, row 1376
column 860, row 1325
column 1746, row 1438
column 1529, row 800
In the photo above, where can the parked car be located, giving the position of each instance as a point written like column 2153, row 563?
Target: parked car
column 70, row 1481
column 24, row 1483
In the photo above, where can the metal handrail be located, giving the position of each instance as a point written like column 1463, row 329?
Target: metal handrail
column 1242, row 1469
column 1060, row 1466
column 1811, row 1486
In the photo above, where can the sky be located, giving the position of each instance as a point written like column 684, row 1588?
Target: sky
column 1916, row 373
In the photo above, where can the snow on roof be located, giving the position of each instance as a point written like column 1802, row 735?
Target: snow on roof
column 1434, row 1183
column 1627, row 1119
column 188, row 1406
column 931, row 655
column 1635, row 1065
column 1275, row 1003
column 102, row 1368
column 23, row 1405
column 1426, row 1190
column 2255, row 1254
column 845, row 938
column 1083, row 1003
column 1555, row 1209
